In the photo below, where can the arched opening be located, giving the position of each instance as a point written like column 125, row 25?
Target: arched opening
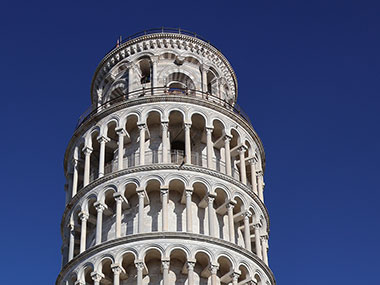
column 106, row 270
column 130, row 214
column 153, row 265
column 87, row 276
column 220, row 203
column 225, row 270
column 131, row 142
column 180, row 84
column 202, row 268
column 244, row 274
column 219, row 151
column 153, row 155
column 177, row 271
column 129, row 277
column 153, row 211
column 91, row 225
column 111, row 148
column 145, row 68
column 176, row 206
column 177, row 137
column 109, row 215
column 234, row 144
column 200, row 225
column 239, row 222
column 198, row 140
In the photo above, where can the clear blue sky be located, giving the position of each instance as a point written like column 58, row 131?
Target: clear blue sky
column 308, row 75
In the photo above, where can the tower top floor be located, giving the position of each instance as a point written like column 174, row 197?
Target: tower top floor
column 170, row 60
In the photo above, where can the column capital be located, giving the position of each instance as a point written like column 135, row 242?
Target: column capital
column 141, row 126
column 71, row 227
column 117, row 268
column 247, row 214
column 187, row 125
column 164, row 190
column 84, row 216
column 97, row 277
column 121, row 131
column 204, row 67
column 211, row 198
column 103, row 139
column 235, row 276
column 99, row 206
column 165, row 124
column 257, row 225
column 141, row 193
column 190, row 264
column 87, row 150
column 118, row 197
column 79, row 282
column 242, row 148
column 214, row 268
column 189, row 191
column 209, row 129
column 165, row 264
column 227, row 138
column 259, row 172
column 139, row 265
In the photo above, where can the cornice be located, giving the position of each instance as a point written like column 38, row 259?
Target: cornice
column 155, row 167
column 116, row 55
column 166, row 98
column 164, row 235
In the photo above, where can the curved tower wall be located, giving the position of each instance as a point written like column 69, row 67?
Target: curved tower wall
column 164, row 173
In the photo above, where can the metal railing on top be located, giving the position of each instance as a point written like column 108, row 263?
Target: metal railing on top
column 161, row 30
column 154, row 91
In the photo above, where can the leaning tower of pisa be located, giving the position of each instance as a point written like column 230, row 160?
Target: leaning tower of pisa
column 164, row 172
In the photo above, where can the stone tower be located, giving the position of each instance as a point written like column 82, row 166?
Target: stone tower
column 164, row 172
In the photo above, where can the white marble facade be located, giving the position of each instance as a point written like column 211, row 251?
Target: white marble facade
column 165, row 174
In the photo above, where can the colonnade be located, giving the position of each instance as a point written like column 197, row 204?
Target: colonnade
column 193, row 271
column 251, row 228
column 256, row 177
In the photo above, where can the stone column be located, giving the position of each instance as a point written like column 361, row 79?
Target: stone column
column 247, row 232
column 204, row 70
column 189, row 214
column 264, row 241
column 227, row 150
column 164, row 198
column 102, row 153
column 260, row 186
column 165, row 147
column 243, row 175
column 209, row 148
column 130, row 66
column 71, row 241
column 214, row 270
column 74, row 188
column 120, row 150
column 187, row 143
column 83, row 232
column 99, row 221
column 97, row 277
column 117, row 270
column 154, row 71
column 211, row 215
column 235, row 278
column 139, row 267
column 253, row 175
column 142, row 143
column 231, row 223
column 257, row 241
column 190, row 272
column 165, row 271
column 141, row 195
column 119, row 201
column 87, row 155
